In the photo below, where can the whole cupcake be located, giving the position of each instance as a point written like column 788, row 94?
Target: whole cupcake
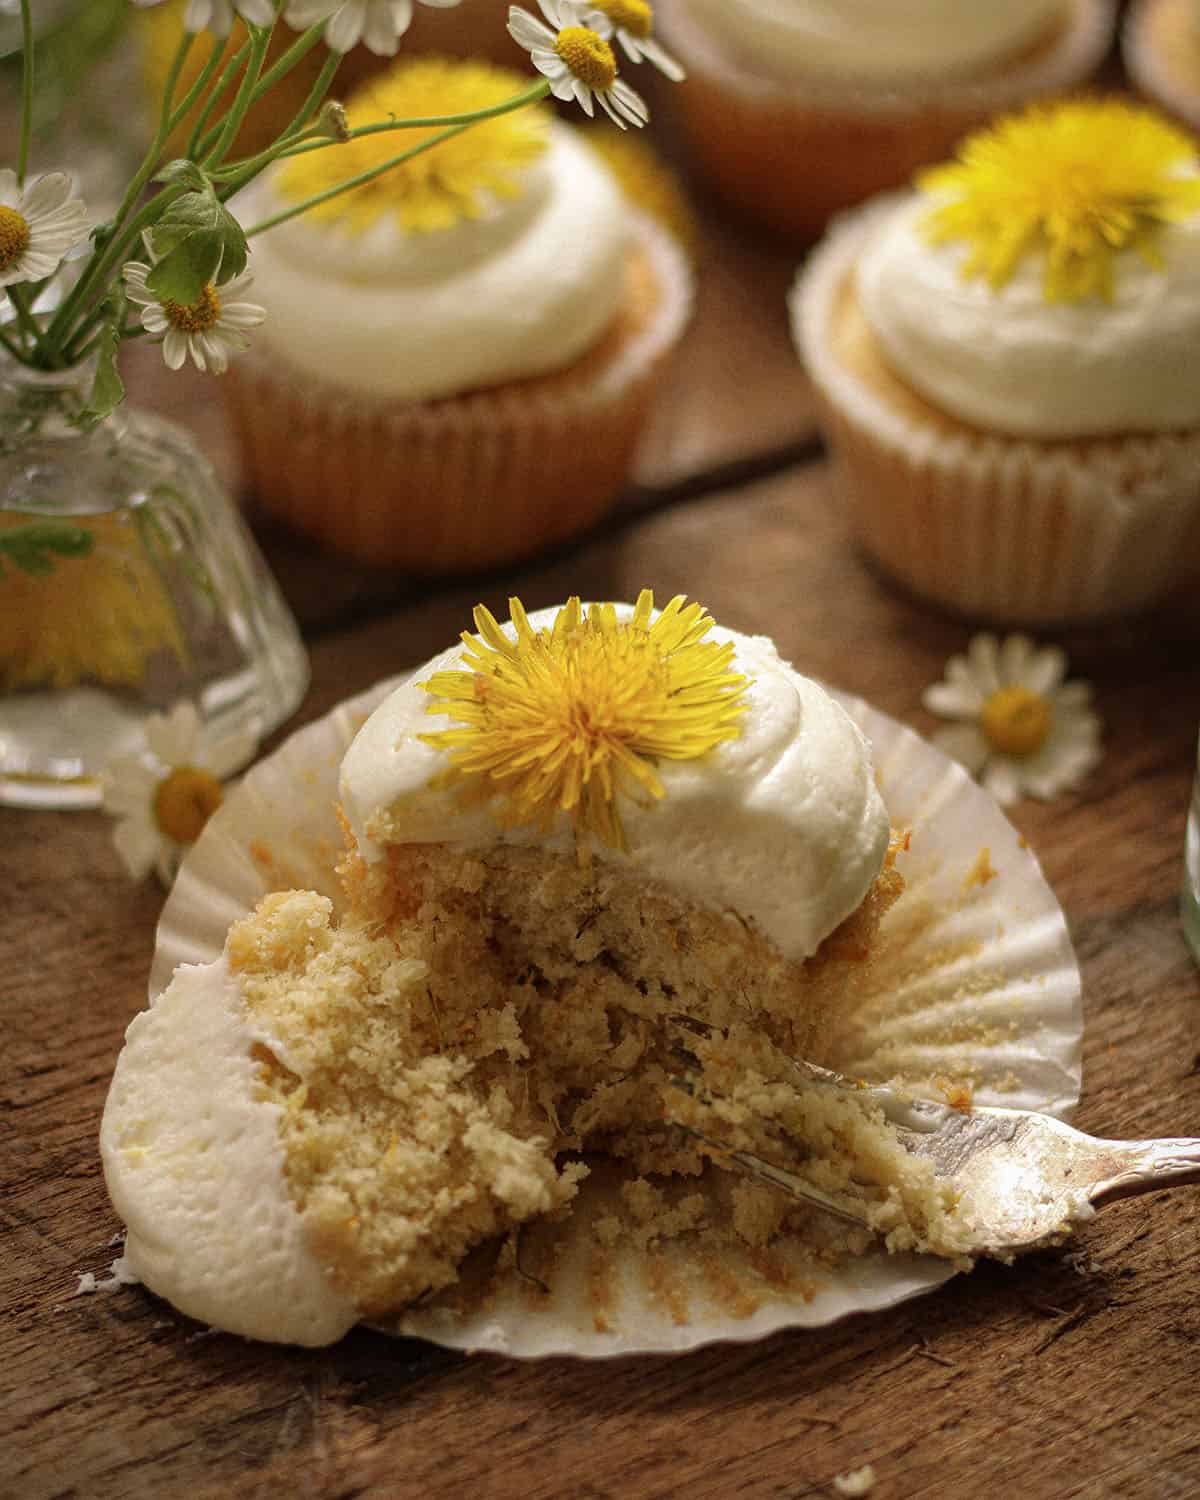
column 795, row 109
column 1160, row 44
column 459, row 354
column 1007, row 360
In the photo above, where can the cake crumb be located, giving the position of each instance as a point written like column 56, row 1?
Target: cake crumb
column 120, row 1273
column 856, row 1482
column 981, row 871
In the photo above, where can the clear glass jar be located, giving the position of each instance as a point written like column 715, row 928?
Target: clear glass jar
column 145, row 588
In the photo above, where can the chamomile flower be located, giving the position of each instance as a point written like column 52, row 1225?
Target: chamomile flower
column 38, row 225
column 217, row 15
column 209, row 330
column 378, row 24
column 633, row 22
column 1022, row 728
column 575, row 54
column 163, row 796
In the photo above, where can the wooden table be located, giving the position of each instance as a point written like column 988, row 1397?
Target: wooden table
column 1071, row 1374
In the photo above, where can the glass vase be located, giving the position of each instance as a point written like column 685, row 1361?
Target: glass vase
column 129, row 582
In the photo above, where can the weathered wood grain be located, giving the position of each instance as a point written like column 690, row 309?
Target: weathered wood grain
column 1070, row 1375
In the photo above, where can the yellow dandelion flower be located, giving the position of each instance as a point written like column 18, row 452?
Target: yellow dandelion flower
column 1077, row 182
column 437, row 188
column 568, row 719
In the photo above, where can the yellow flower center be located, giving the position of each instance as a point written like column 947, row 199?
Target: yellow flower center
column 567, row 719
column 1076, row 183
column 14, row 237
column 199, row 316
column 1016, row 721
column 635, row 16
column 588, row 56
column 184, row 802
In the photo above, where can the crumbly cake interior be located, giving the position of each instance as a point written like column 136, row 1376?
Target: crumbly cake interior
column 446, row 1054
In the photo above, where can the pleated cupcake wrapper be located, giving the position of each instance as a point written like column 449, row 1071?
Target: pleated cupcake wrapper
column 448, row 486
column 793, row 154
column 1150, row 73
column 996, row 528
column 975, row 980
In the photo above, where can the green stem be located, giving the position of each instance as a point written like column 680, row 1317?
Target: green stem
column 26, row 91
column 17, row 354
column 299, row 49
column 17, row 296
column 456, row 124
column 194, row 152
column 201, row 83
column 236, row 114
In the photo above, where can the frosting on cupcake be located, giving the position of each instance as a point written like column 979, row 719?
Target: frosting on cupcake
column 1046, row 284
column 782, row 823
column 875, row 40
column 1009, row 361
column 184, row 1108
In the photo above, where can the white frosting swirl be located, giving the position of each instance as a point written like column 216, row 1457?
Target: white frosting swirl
column 1008, row 361
column 521, row 292
column 194, row 1167
column 784, row 824
column 875, row 40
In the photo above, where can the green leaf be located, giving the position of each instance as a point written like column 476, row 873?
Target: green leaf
column 183, row 170
column 200, row 223
column 182, row 275
column 108, row 390
column 32, row 546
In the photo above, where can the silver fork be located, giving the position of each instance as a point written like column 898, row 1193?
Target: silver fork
column 1031, row 1178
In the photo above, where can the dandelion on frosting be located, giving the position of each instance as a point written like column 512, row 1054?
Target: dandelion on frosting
column 38, row 225
column 569, row 720
column 209, row 330
column 378, row 24
column 574, row 53
column 163, row 796
column 1021, row 728
column 1077, row 183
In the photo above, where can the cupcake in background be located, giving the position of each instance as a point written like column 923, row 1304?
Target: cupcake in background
column 458, row 356
column 796, row 109
column 1006, row 359
column 1160, row 45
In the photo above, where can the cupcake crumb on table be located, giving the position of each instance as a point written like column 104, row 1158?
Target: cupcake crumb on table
column 1005, row 360
column 793, row 112
column 443, row 343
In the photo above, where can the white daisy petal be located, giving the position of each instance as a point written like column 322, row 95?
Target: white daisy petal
column 346, row 26
column 1045, row 670
column 982, row 654
column 1073, row 695
column 137, row 841
column 953, row 701
column 228, row 754
column 965, row 744
column 128, row 785
column 660, row 58
column 10, row 193
column 54, row 222
column 527, row 31
column 174, row 736
column 1012, row 659
column 1003, row 780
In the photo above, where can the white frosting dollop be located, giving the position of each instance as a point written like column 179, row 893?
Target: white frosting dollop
column 783, row 825
column 1008, row 361
column 875, row 40
column 523, row 291
column 194, row 1167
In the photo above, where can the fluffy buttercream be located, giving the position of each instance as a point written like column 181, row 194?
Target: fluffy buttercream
column 783, row 825
column 229, row 1250
column 522, row 291
column 875, row 40
column 1006, row 360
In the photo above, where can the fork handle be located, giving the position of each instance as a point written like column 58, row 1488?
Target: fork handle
column 1147, row 1167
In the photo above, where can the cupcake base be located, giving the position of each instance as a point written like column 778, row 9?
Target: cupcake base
column 451, row 486
column 791, row 155
column 1160, row 45
column 1003, row 529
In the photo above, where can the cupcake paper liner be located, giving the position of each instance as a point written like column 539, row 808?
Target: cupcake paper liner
column 1002, row 529
column 438, row 487
column 1153, row 49
column 975, row 981
column 792, row 154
